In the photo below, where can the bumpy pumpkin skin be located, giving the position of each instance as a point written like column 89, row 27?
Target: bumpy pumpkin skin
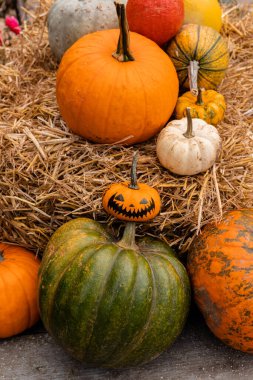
column 69, row 20
column 107, row 101
column 204, row 45
column 18, row 290
column 220, row 266
column 204, row 12
column 134, row 205
column 107, row 305
column 212, row 109
column 159, row 20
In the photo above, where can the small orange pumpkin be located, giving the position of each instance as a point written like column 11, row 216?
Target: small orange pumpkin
column 123, row 97
column 220, row 264
column 132, row 201
column 208, row 105
column 18, row 290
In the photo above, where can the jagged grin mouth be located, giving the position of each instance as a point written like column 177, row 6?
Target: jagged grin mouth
column 113, row 203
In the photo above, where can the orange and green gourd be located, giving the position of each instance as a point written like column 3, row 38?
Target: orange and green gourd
column 116, row 97
column 132, row 201
column 220, row 265
column 200, row 55
column 208, row 105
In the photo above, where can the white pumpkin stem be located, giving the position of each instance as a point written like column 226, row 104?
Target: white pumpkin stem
column 122, row 53
column 133, row 174
column 128, row 238
column 193, row 70
column 189, row 132
column 199, row 101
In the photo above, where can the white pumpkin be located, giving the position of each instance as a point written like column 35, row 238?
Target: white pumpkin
column 68, row 20
column 188, row 146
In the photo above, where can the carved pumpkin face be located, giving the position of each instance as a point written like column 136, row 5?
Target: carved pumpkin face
column 134, row 205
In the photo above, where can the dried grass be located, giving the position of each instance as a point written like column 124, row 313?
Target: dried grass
column 49, row 175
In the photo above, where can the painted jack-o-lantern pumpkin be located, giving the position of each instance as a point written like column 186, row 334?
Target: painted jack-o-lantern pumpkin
column 134, row 202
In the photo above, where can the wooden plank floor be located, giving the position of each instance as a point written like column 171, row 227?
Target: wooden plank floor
column 196, row 355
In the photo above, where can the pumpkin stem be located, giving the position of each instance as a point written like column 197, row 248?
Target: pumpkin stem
column 199, row 101
column 128, row 238
column 122, row 54
column 193, row 70
column 133, row 174
column 189, row 133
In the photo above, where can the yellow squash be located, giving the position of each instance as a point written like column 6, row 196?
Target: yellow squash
column 204, row 12
column 209, row 105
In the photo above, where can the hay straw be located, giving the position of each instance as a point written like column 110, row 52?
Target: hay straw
column 49, row 175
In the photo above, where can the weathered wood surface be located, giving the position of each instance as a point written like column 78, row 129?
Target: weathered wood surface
column 196, row 355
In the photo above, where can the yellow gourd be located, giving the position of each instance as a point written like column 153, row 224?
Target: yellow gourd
column 209, row 105
column 204, row 12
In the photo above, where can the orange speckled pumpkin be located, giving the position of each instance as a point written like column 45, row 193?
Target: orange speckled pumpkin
column 220, row 264
column 18, row 290
column 122, row 97
column 132, row 201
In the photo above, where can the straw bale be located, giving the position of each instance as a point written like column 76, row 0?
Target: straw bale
column 48, row 175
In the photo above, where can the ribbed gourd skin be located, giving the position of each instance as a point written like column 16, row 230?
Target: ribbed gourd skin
column 206, row 46
column 109, row 306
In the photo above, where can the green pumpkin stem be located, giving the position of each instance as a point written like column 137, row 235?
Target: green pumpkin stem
column 189, row 132
column 199, row 101
column 122, row 53
column 193, row 70
column 133, row 174
column 128, row 238
column 1, row 256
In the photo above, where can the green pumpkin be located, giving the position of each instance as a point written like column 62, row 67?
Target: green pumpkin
column 111, row 304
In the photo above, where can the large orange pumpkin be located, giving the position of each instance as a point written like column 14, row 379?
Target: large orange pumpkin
column 220, row 265
column 18, row 290
column 124, row 97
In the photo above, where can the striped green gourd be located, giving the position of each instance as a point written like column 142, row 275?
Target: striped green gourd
column 111, row 304
column 200, row 55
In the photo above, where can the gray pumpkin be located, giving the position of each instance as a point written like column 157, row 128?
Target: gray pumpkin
column 68, row 20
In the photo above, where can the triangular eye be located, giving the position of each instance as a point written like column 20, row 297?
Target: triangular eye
column 120, row 198
column 144, row 201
